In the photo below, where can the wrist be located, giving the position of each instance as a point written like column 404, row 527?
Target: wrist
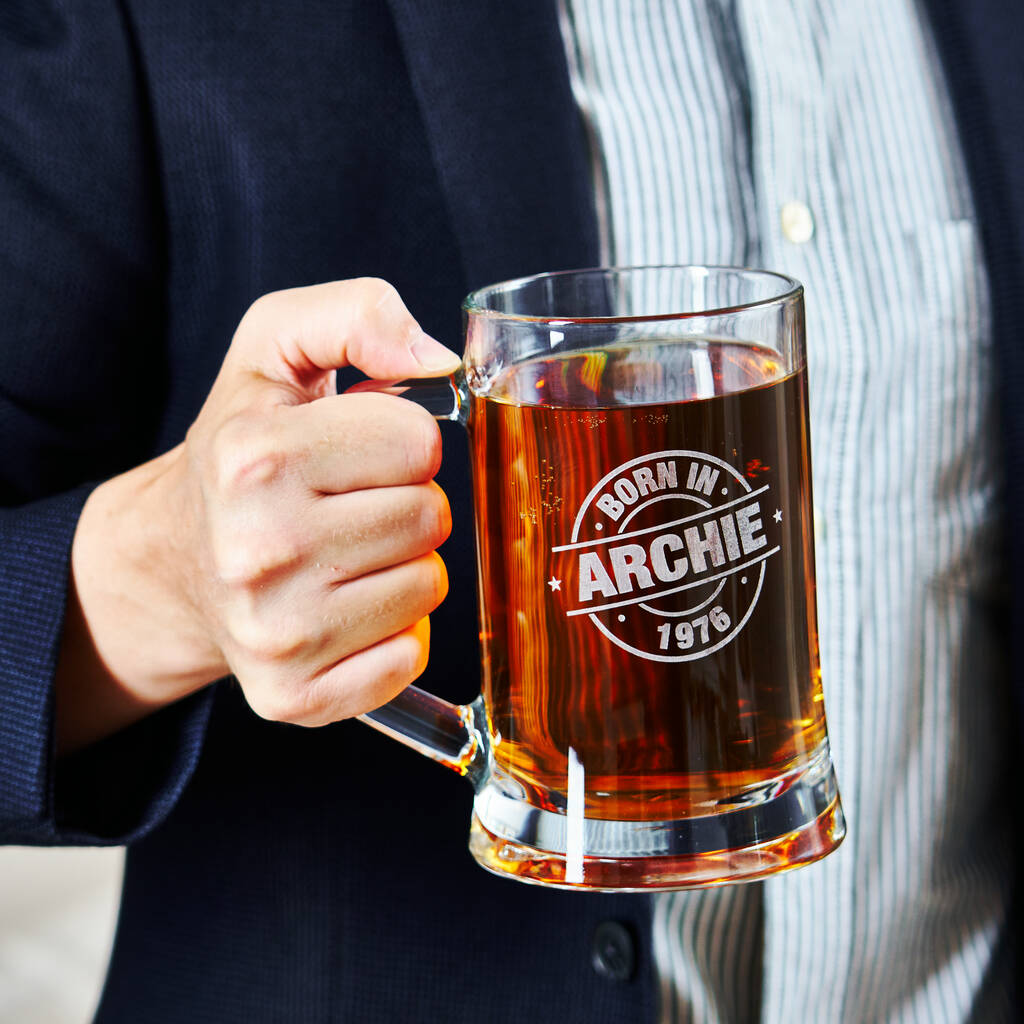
column 133, row 639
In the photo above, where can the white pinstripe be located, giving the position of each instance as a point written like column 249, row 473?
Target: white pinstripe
column 706, row 116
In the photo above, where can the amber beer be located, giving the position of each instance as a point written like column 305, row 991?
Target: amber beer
column 651, row 714
column 647, row 578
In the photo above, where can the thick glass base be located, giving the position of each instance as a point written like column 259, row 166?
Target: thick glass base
column 797, row 822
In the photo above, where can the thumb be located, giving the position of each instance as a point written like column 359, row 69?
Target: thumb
column 300, row 335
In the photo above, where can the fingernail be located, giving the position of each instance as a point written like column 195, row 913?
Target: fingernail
column 433, row 356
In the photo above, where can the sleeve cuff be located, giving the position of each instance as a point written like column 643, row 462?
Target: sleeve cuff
column 114, row 791
column 117, row 790
column 35, row 549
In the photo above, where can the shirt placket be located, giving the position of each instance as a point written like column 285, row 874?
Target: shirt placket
column 801, row 221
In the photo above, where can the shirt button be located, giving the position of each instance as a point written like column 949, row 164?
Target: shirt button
column 612, row 953
column 797, row 221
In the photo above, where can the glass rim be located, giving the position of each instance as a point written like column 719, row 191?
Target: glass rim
column 474, row 306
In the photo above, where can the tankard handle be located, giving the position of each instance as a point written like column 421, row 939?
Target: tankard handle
column 453, row 734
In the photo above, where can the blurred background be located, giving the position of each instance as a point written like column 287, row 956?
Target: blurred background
column 58, row 908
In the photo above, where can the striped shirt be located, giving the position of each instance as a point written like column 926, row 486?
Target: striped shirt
column 814, row 137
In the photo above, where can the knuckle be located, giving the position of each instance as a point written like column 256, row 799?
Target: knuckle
column 266, row 703
column 434, row 517
column 410, row 657
column 247, row 559
column 244, row 456
column 442, row 513
column 276, row 703
column 435, row 580
column 375, row 293
column 266, row 644
column 231, row 563
column 422, row 445
column 406, row 659
column 264, row 309
column 312, row 705
column 301, row 700
column 337, row 695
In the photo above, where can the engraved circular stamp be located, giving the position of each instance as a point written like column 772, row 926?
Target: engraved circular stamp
column 668, row 554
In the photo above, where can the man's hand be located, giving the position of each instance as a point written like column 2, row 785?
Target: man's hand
column 289, row 540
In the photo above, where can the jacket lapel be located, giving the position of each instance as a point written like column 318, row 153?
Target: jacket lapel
column 507, row 141
column 981, row 42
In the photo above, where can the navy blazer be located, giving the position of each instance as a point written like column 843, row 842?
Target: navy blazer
column 161, row 165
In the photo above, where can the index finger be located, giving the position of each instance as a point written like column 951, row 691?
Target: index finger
column 355, row 441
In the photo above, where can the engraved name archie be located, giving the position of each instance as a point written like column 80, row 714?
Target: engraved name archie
column 668, row 554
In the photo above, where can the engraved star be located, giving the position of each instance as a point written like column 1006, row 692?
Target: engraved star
column 778, row 515
column 554, row 584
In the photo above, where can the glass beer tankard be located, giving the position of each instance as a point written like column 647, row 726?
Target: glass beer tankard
column 651, row 714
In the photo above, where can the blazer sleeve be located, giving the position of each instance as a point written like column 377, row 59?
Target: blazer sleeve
column 82, row 358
